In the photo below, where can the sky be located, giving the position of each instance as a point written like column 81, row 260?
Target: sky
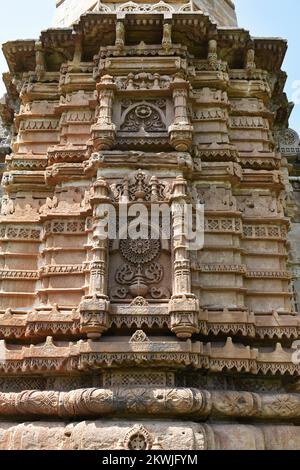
column 24, row 19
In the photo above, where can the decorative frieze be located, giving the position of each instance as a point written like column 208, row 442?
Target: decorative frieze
column 181, row 402
column 17, row 232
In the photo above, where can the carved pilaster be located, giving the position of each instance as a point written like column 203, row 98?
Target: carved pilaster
column 181, row 131
column 183, row 307
column 104, row 131
column 94, row 308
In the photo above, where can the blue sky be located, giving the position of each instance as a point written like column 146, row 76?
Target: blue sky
column 277, row 18
column 22, row 19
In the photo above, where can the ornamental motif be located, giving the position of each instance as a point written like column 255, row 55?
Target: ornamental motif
column 143, row 80
column 140, row 276
column 139, row 337
column 140, row 251
column 138, row 438
column 138, row 279
column 143, row 118
column 141, row 188
column 288, row 142
column 148, row 7
column 289, row 138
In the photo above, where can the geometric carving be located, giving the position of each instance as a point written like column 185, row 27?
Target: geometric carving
column 157, row 7
column 139, row 400
column 139, row 337
column 139, row 378
column 19, row 232
column 139, row 301
column 140, row 251
column 289, row 143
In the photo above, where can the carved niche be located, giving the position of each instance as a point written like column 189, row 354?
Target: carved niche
column 143, row 123
column 140, row 267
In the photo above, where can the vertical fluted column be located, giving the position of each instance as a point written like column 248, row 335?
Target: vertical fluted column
column 104, row 131
column 99, row 267
column 183, row 307
column 182, row 275
column 94, row 308
column 181, row 131
column 98, row 284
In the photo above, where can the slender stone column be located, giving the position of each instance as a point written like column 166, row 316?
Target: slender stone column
column 104, row 131
column 183, row 307
column 94, row 308
column 181, row 131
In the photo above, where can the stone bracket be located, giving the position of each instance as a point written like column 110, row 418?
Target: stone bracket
column 94, row 316
column 184, row 313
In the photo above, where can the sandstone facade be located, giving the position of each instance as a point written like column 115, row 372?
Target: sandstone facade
column 69, row 11
column 172, row 348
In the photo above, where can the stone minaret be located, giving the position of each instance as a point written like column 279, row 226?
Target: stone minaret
column 144, row 342
column 69, row 11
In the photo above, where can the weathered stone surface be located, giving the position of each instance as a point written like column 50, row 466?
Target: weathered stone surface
column 101, row 435
column 107, row 435
column 147, row 400
column 156, row 105
column 68, row 11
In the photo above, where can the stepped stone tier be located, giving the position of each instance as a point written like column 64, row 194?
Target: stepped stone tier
column 145, row 344
column 289, row 146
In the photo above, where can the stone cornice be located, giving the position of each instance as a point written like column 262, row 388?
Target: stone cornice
column 195, row 24
column 89, row 355
column 39, row 324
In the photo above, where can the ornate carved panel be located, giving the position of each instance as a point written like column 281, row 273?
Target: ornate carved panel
column 142, row 122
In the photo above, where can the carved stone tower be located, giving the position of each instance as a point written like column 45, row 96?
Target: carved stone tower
column 157, row 103
column 221, row 11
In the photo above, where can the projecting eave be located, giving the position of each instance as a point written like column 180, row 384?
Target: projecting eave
column 20, row 55
column 95, row 30
column 271, row 51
